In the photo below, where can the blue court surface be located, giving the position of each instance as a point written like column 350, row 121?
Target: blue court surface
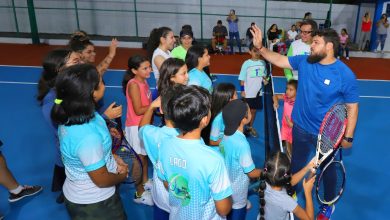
column 29, row 149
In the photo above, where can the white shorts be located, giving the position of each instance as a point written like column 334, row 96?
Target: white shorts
column 134, row 141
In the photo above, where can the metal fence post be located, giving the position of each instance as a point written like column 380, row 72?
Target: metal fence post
column 33, row 22
column 201, row 20
column 77, row 14
column 136, row 17
column 15, row 17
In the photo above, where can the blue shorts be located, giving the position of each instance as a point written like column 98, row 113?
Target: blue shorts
column 237, row 214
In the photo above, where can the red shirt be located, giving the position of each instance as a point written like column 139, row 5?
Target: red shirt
column 366, row 26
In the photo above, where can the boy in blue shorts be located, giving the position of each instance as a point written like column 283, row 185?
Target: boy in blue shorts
column 252, row 77
column 151, row 136
column 195, row 175
column 237, row 152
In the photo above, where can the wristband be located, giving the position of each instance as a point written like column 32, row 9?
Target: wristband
column 242, row 88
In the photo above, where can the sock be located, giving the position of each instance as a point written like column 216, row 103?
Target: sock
column 17, row 190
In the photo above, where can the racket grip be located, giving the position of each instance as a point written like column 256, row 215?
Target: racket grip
column 312, row 173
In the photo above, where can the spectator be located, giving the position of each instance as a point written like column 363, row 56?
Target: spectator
column 307, row 16
column 291, row 35
column 274, row 38
column 381, row 32
column 366, row 28
column 232, row 19
column 249, row 36
column 219, row 36
column 344, row 39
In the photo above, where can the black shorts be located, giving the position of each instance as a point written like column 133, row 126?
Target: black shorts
column 255, row 103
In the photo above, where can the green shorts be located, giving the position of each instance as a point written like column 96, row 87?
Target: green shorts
column 110, row 208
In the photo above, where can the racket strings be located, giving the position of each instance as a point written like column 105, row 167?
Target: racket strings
column 331, row 183
column 333, row 128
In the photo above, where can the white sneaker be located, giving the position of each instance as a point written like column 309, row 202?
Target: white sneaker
column 148, row 185
column 347, row 58
column 248, row 205
column 145, row 198
column 338, row 57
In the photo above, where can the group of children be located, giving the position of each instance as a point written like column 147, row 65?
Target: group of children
column 196, row 174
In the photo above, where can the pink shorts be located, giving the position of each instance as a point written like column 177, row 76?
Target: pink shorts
column 286, row 133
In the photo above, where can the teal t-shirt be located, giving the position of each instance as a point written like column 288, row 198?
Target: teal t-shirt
column 200, row 78
column 238, row 161
column 217, row 128
column 196, row 176
column 85, row 148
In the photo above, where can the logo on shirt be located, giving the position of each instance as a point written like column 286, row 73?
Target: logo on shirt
column 178, row 186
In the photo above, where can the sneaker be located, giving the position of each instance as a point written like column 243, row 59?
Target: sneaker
column 145, row 198
column 347, row 58
column 26, row 191
column 253, row 132
column 248, row 205
column 148, row 185
column 325, row 212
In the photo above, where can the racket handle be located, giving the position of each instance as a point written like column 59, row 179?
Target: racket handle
column 312, row 173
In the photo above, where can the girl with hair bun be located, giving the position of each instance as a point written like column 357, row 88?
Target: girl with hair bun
column 276, row 181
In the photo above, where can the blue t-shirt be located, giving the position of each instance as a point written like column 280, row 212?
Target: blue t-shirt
column 217, row 128
column 196, row 176
column 152, row 137
column 320, row 87
column 200, row 78
column 85, row 148
column 238, row 161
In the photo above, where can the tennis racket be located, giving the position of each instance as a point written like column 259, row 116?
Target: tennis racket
column 331, row 134
column 122, row 148
column 331, row 182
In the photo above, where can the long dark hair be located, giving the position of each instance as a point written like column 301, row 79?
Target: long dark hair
column 193, row 54
column 134, row 62
column 154, row 39
column 222, row 94
column 276, row 173
column 75, row 86
column 52, row 64
column 168, row 69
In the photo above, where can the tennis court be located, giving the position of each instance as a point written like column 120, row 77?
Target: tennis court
column 28, row 147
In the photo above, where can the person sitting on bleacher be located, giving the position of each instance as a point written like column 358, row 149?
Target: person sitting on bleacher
column 219, row 36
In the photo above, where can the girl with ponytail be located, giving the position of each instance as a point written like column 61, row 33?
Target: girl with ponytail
column 159, row 46
column 92, row 172
column 276, row 181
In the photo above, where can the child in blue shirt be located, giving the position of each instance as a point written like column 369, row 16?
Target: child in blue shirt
column 198, row 184
column 236, row 150
column 252, row 77
column 92, row 172
column 222, row 94
column 151, row 136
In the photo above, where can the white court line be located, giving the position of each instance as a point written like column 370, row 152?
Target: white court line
column 379, row 80
column 120, row 87
column 219, row 74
